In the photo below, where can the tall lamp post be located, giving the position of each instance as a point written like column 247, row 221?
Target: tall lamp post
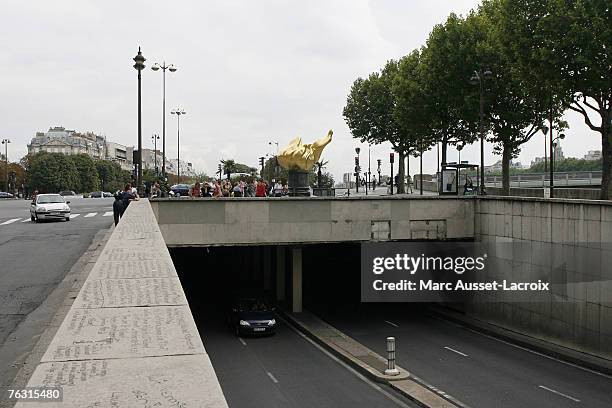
column 369, row 169
column 170, row 68
column 553, row 144
column 139, row 60
column 479, row 79
column 379, row 161
column 155, row 139
column 5, row 142
column 178, row 113
column 545, row 131
column 357, row 169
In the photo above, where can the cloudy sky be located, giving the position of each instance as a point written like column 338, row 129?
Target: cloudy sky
column 250, row 72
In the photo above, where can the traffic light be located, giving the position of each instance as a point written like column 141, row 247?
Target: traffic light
column 379, row 162
column 220, row 168
column 261, row 161
column 391, row 157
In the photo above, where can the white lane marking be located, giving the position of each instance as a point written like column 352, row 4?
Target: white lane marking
column 90, row 215
column 455, row 351
column 242, row 341
column 533, row 351
column 559, row 393
column 26, row 220
column 108, row 213
column 10, row 221
column 391, row 323
column 272, row 377
column 349, row 368
column 74, row 215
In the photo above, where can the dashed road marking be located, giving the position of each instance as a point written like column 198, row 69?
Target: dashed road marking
column 90, row 215
column 74, row 215
column 242, row 341
column 26, row 220
column 391, row 323
column 107, row 214
column 456, row 351
column 10, row 221
column 559, row 393
column 272, row 377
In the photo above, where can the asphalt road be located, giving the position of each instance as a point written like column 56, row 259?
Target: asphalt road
column 478, row 370
column 284, row 370
column 34, row 258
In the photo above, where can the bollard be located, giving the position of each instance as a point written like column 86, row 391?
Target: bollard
column 391, row 370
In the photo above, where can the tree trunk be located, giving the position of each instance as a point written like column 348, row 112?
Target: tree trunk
column 401, row 171
column 606, row 157
column 506, row 156
column 444, row 146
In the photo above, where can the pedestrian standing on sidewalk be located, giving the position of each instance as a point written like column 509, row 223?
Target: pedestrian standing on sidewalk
column 122, row 200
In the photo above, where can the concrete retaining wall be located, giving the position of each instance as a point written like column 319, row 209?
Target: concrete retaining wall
column 571, row 239
column 252, row 221
column 574, row 193
column 129, row 339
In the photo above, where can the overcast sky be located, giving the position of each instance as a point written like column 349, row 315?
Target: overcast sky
column 250, row 72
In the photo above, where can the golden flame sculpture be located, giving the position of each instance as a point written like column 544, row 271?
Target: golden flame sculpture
column 303, row 156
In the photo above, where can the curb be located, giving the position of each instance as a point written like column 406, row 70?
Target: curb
column 544, row 347
column 409, row 386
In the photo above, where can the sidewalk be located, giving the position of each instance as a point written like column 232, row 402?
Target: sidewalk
column 365, row 360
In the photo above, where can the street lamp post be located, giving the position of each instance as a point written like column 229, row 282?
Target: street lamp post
column 5, row 142
column 369, row 169
column 139, row 60
column 357, row 169
column 553, row 144
column 178, row 113
column 155, row 139
column 379, row 163
column 170, row 68
column 479, row 79
column 545, row 131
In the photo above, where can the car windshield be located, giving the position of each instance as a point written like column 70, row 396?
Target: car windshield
column 50, row 199
column 253, row 305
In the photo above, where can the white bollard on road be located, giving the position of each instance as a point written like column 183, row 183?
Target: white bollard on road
column 391, row 370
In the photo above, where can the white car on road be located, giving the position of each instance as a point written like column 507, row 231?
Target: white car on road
column 49, row 207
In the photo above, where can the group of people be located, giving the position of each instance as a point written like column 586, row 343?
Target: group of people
column 241, row 188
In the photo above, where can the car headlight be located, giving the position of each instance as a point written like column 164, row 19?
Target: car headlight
column 272, row 322
column 244, row 323
column 41, row 209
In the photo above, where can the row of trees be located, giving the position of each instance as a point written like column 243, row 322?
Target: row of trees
column 53, row 172
column 534, row 59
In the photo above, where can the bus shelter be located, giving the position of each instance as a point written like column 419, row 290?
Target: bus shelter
column 452, row 181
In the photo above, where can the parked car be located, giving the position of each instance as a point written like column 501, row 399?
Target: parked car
column 49, row 207
column 252, row 316
column 179, row 190
column 4, row 194
column 66, row 193
column 107, row 194
column 96, row 194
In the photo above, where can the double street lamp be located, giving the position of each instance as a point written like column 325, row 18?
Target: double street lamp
column 170, row 68
column 357, row 169
column 5, row 142
column 139, row 60
column 178, row 113
column 479, row 79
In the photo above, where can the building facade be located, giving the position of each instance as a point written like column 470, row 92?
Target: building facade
column 61, row 140
column 593, row 155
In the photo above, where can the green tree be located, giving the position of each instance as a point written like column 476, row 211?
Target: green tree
column 229, row 167
column 564, row 49
column 447, row 63
column 51, row 172
column 410, row 113
column 369, row 113
column 88, row 174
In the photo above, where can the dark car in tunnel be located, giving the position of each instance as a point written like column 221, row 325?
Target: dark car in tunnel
column 252, row 316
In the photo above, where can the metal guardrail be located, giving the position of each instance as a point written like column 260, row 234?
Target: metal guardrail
column 575, row 178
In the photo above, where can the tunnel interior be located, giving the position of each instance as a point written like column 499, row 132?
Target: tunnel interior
column 330, row 278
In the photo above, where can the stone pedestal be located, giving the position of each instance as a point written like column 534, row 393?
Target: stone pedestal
column 298, row 183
